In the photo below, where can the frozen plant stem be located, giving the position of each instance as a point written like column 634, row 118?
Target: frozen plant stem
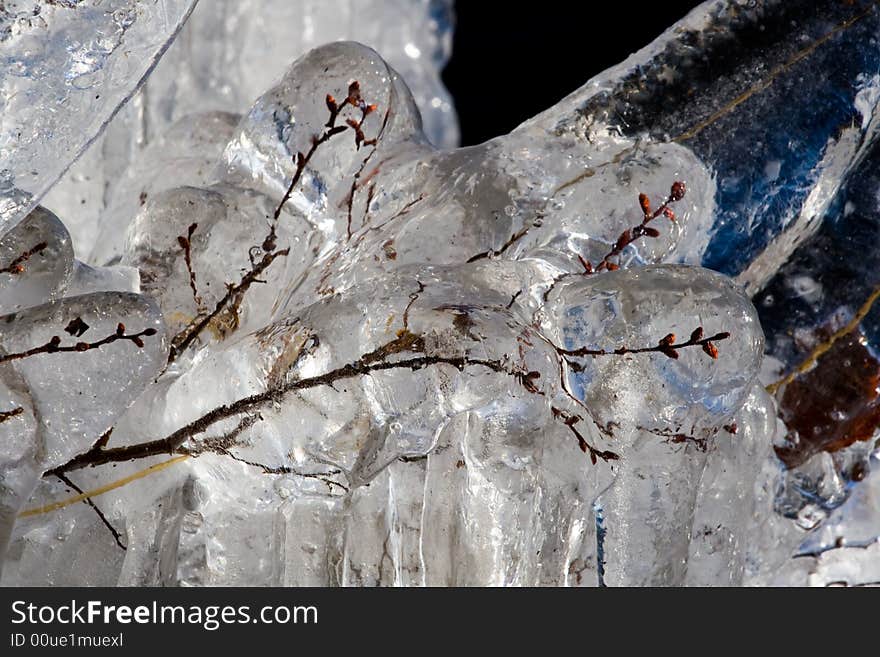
column 223, row 444
column 54, row 345
column 8, row 415
column 99, row 455
column 235, row 293
column 17, row 266
column 570, row 420
column 630, row 235
column 627, row 237
column 666, row 346
column 185, row 242
column 330, row 130
column 116, row 535
column 374, row 361
column 233, row 297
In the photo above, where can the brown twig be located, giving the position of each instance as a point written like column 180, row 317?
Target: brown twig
column 627, row 237
column 513, row 239
column 330, row 130
column 54, row 345
column 630, row 235
column 400, row 213
column 220, row 444
column 276, row 470
column 234, row 295
column 356, row 180
column 371, row 363
column 677, row 437
column 17, row 265
column 666, row 346
column 570, row 420
column 8, row 415
column 185, row 242
column 116, row 535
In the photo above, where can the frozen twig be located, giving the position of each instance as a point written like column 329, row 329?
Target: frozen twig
column 17, row 266
column 54, row 346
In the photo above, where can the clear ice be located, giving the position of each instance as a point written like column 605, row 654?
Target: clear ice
column 281, row 332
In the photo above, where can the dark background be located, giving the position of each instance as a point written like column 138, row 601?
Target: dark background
column 513, row 60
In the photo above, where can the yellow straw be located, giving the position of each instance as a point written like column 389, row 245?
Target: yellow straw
column 822, row 348
column 119, row 483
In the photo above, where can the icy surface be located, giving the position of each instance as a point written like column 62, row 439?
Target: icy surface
column 41, row 245
column 227, row 54
column 82, row 60
column 352, row 358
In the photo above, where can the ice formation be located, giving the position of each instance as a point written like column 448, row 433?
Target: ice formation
column 227, row 54
column 629, row 343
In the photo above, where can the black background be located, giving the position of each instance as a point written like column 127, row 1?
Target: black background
column 513, row 60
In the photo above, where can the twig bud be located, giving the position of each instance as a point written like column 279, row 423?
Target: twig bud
column 677, row 192
column 354, row 92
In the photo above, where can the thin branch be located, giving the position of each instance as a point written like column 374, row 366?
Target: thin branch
column 17, row 265
column 185, row 242
column 8, row 415
column 666, row 346
column 330, row 130
column 367, row 365
column 355, row 181
column 235, row 293
column 222, row 443
column 701, row 443
column 372, row 362
column 570, row 421
column 370, row 193
column 233, row 297
column 513, row 239
column 630, row 235
column 627, row 237
column 276, row 470
column 87, row 500
column 400, row 213
column 54, row 345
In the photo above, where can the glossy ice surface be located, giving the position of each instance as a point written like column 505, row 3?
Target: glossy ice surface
column 557, row 358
